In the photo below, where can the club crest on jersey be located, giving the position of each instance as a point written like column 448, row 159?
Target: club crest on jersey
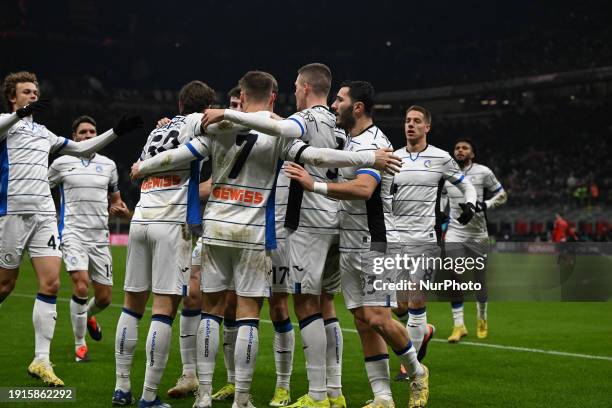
column 427, row 163
column 99, row 168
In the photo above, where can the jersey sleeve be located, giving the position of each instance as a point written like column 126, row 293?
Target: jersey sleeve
column 304, row 120
column 197, row 149
column 7, row 121
column 491, row 183
column 370, row 171
column 261, row 121
column 191, row 128
column 451, row 171
column 113, row 184
column 56, row 142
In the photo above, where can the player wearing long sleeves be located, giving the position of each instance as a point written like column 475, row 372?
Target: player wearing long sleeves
column 368, row 232
column 86, row 186
column 159, row 249
column 27, row 212
column 239, row 223
column 471, row 240
column 417, row 190
column 307, row 219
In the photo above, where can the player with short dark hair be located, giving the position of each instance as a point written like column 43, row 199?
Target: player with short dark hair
column 239, row 222
column 307, row 219
column 472, row 239
column 417, row 191
column 367, row 230
column 159, row 249
column 86, row 186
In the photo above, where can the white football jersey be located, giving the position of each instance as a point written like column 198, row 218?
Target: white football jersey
column 170, row 196
column 84, row 187
column 367, row 225
column 417, row 191
column 311, row 212
column 240, row 211
column 24, row 161
column 482, row 178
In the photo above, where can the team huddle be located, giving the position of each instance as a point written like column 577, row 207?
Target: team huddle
column 299, row 206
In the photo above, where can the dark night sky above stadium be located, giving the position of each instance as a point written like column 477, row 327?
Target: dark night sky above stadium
column 159, row 44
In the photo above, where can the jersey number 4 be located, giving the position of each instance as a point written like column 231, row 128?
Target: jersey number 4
column 250, row 140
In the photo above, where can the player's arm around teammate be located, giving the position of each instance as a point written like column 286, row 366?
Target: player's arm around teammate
column 376, row 327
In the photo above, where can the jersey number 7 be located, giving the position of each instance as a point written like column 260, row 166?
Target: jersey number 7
column 250, row 140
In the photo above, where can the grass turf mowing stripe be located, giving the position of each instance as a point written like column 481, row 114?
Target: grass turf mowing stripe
column 465, row 343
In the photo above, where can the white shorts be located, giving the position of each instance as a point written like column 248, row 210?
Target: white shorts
column 307, row 255
column 460, row 245
column 196, row 260
column 360, row 285
column 35, row 233
column 96, row 259
column 332, row 282
column 424, row 257
column 280, row 267
column 248, row 269
column 158, row 258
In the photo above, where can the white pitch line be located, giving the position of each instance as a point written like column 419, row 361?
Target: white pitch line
column 465, row 343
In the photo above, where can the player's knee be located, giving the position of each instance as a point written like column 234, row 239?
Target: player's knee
column 81, row 289
column 104, row 300
column 51, row 286
column 278, row 312
column 193, row 301
column 377, row 321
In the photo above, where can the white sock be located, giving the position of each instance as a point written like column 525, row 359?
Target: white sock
column 230, row 331
column 457, row 308
column 126, row 338
column 208, row 345
column 408, row 358
column 284, row 345
column 315, row 346
column 335, row 346
column 482, row 310
column 78, row 317
column 245, row 356
column 158, row 348
column 377, row 368
column 417, row 326
column 44, row 316
column 189, row 322
column 92, row 308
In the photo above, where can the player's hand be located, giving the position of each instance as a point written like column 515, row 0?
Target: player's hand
column 135, row 172
column 467, row 213
column 297, row 172
column 34, row 107
column 212, row 116
column 119, row 209
column 386, row 161
column 481, row 206
column 275, row 116
column 162, row 122
column 127, row 123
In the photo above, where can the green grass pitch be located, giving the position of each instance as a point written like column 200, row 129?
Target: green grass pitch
column 462, row 375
